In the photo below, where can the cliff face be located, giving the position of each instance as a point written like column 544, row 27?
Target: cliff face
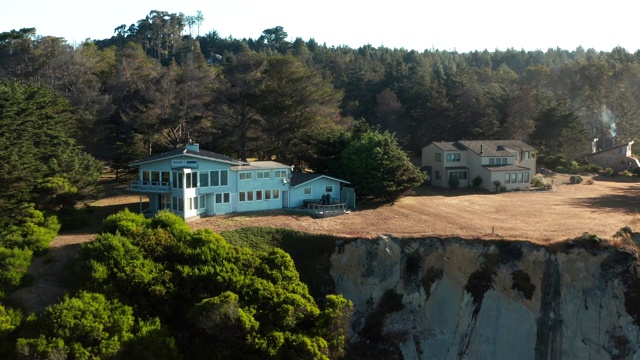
column 464, row 299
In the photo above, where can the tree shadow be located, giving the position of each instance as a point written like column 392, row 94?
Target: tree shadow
column 622, row 200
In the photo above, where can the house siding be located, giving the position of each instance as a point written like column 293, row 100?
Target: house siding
column 318, row 186
column 255, row 186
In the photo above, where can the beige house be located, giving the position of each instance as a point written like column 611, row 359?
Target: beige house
column 618, row 158
column 512, row 163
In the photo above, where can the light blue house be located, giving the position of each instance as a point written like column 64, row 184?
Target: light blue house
column 193, row 183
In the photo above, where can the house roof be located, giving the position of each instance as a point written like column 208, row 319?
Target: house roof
column 298, row 178
column 201, row 154
column 257, row 165
column 506, row 168
column 495, row 147
column 611, row 148
column 448, row 145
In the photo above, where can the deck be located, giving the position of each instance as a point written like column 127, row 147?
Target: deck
column 317, row 209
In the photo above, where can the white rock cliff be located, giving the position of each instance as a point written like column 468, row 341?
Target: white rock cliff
column 481, row 299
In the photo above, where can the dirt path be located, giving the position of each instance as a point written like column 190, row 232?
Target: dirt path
column 47, row 271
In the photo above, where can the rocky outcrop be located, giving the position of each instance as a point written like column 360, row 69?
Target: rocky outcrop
column 480, row 299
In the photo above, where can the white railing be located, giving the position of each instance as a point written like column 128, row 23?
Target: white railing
column 152, row 186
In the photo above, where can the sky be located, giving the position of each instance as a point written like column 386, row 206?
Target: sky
column 462, row 26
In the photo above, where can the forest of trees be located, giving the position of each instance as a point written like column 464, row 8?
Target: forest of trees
column 156, row 85
column 153, row 87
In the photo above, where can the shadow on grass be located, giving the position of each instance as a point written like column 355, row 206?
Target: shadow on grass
column 626, row 200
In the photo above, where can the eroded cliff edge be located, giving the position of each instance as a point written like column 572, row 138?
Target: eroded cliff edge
column 482, row 299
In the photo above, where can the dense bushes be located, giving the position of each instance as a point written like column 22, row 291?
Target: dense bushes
column 217, row 298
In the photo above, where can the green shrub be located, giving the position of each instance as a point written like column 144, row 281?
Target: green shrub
column 497, row 184
column 560, row 169
column 593, row 168
column 608, row 171
column 477, row 181
column 125, row 222
column 575, row 179
column 625, row 173
column 636, row 172
column 538, row 181
column 454, row 182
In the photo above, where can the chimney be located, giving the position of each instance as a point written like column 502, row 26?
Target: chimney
column 594, row 144
column 481, row 149
column 193, row 147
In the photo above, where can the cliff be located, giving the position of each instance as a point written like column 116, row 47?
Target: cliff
column 481, row 299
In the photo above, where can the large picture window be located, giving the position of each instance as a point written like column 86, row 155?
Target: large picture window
column 245, row 175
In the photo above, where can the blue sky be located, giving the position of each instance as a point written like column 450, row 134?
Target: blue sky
column 463, row 25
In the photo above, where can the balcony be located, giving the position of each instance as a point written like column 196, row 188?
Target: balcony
column 151, row 186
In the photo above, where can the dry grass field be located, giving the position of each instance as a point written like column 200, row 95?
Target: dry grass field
column 543, row 217
column 539, row 216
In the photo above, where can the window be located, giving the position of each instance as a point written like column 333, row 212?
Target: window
column 177, row 180
column 174, row 203
column 622, row 150
column 462, row 174
column 245, row 175
column 280, row 173
column 504, row 161
column 245, row 196
column 203, row 201
column 520, row 177
column 204, row 179
column 267, row 194
column 177, row 162
column 276, row 194
column 492, row 161
column 438, row 157
column 192, row 163
column 193, row 203
column 219, row 177
column 258, row 195
column 507, row 178
column 223, row 198
column 307, row 190
column 514, row 177
column 453, row 157
column 328, row 189
column 192, row 180
column 224, row 177
column 262, row 174
column 438, row 174
column 215, row 177
column 526, row 177
column 145, row 176
column 166, row 177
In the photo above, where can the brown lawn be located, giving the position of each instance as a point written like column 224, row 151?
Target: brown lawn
column 541, row 216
